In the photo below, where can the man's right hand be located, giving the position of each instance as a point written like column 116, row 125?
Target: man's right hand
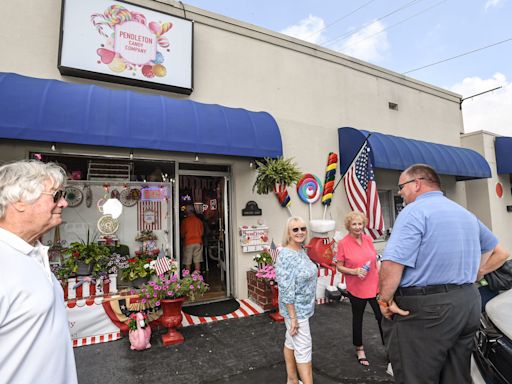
column 392, row 309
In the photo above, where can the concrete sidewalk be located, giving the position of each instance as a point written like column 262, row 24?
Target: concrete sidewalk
column 236, row 351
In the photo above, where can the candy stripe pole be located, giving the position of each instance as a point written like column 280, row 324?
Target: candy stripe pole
column 330, row 175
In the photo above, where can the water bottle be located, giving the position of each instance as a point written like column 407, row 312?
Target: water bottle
column 366, row 267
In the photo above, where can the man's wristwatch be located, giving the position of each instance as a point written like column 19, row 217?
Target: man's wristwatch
column 383, row 303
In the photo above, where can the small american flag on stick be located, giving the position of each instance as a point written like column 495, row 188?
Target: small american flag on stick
column 162, row 265
column 273, row 251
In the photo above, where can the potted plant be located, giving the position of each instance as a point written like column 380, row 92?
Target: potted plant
column 263, row 258
column 169, row 293
column 267, row 271
column 138, row 270
column 85, row 259
column 275, row 175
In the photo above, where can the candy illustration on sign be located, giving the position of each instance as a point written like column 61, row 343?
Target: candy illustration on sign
column 132, row 43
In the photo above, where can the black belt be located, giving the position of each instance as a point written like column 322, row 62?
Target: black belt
column 428, row 289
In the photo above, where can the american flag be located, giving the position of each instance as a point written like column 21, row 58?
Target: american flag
column 273, row 251
column 162, row 265
column 362, row 192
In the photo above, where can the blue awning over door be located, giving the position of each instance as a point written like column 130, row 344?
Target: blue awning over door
column 51, row 110
column 503, row 148
column 394, row 152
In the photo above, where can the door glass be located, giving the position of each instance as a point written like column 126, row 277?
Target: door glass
column 202, row 197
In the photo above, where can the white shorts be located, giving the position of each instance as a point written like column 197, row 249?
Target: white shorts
column 301, row 343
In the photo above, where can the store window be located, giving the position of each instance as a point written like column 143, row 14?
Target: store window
column 391, row 205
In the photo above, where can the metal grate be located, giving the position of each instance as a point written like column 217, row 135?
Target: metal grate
column 108, row 171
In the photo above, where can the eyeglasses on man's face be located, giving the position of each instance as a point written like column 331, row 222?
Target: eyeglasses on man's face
column 296, row 229
column 57, row 195
column 402, row 185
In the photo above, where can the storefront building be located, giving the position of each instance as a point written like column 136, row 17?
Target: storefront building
column 242, row 93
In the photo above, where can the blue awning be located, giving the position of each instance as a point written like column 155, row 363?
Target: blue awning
column 394, row 152
column 51, row 110
column 503, row 147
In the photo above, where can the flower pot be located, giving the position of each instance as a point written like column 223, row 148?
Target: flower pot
column 171, row 319
column 83, row 269
column 276, row 316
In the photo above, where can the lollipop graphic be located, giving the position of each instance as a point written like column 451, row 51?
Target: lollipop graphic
column 330, row 175
column 309, row 189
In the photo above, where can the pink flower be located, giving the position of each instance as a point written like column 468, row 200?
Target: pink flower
column 191, row 286
column 143, row 301
column 157, row 303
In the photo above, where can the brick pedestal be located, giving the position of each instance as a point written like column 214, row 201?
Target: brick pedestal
column 259, row 291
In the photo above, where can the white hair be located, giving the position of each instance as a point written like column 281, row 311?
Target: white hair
column 24, row 181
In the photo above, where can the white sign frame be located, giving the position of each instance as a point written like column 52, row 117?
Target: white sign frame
column 121, row 42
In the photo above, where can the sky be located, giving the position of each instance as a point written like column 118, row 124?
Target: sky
column 404, row 36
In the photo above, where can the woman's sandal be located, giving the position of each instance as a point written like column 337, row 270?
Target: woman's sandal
column 362, row 360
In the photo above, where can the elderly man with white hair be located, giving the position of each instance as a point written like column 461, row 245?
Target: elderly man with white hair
column 35, row 344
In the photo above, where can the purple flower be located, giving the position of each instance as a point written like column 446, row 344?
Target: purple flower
column 185, row 272
column 170, row 293
column 194, row 277
column 157, row 303
column 191, row 286
column 143, row 301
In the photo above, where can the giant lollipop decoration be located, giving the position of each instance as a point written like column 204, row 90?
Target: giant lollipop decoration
column 330, row 175
column 309, row 189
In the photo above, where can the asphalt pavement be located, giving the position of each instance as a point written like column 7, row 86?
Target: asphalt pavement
column 236, row 351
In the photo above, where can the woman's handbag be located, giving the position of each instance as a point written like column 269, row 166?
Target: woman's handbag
column 500, row 279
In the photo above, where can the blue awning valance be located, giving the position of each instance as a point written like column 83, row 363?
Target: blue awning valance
column 394, row 152
column 51, row 110
column 503, row 147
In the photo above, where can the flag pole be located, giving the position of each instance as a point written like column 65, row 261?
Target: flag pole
column 353, row 160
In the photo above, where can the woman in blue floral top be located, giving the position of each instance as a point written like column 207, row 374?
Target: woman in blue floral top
column 296, row 278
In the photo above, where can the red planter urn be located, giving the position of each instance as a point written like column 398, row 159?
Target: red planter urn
column 171, row 319
column 276, row 316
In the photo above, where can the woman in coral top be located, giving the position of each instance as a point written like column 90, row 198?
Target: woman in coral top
column 355, row 254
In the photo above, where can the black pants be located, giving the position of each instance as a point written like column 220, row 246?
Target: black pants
column 358, row 306
column 433, row 344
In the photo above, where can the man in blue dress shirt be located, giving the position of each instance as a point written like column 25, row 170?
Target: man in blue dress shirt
column 436, row 252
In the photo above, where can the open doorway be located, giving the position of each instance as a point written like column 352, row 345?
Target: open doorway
column 206, row 197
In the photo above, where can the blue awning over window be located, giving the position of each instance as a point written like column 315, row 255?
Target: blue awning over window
column 51, row 110
column 503, row 147
column 394, row 152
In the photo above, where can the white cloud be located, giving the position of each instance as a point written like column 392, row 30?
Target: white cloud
column 308, row 29
column 493, row 3
column 369, row 43
column 491, row 111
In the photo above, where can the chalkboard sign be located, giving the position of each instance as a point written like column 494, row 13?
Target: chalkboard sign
column 251, row 209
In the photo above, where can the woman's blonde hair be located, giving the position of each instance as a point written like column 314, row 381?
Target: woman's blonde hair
column 288, row 227
column 349, row 217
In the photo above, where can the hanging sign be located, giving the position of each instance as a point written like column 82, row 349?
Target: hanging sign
column 254, row 238
column 123, row 43
column 154, row 193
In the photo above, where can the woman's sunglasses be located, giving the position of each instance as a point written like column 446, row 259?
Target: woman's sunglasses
column 57, row 195
column 296, row 229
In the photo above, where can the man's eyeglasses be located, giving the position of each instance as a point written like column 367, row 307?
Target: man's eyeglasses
column 57, row 195
column 296, row 229
column 401, row 186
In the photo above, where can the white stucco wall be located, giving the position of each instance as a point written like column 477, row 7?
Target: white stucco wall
column 309, row 90
column 481, row 194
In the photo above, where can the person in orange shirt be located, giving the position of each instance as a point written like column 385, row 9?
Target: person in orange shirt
column 191, row 231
